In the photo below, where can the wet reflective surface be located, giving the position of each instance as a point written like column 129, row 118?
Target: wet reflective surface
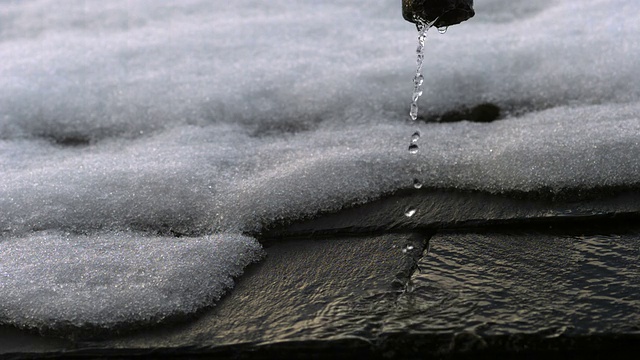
column 506, row 284
column 388, row 296
column 303, row 290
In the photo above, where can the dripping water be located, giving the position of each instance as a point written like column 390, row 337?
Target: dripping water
column 418, row 80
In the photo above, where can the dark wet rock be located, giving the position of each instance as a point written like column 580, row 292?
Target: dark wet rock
column 437, row 209
column 304, row 290
column 448, row 12
column 513, row 283
column 15, row 343
column 469, row 275
column 511, row 294
column 491, row 295
column 300, row 291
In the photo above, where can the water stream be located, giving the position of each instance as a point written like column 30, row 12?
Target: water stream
column 418, row 82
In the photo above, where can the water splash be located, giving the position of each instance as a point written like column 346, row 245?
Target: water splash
column 418, row 80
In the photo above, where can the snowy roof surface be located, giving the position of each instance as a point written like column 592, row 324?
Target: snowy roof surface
column 123, row 123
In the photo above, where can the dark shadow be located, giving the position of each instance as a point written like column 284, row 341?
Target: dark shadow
column 72, row 141
column 483, row 113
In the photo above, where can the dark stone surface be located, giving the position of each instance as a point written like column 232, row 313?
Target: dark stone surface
column 14, row 341
column 513, row 295
column 547, row 285
column 303, row 292
column 299, row 292
column 448, row 12
column 502, row 277
column 437, row 209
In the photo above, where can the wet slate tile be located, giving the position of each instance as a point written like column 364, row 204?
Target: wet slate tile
column 523, row 292
column 475, row 295
column 437, row 209
column 306, row 290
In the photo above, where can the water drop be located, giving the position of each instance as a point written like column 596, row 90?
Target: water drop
column 413, row 149
column 443, row 29
column 415, row 137
column 410, row 212
column 414, row 112
column 418, row 80
column 417, row 184
column 407, row 248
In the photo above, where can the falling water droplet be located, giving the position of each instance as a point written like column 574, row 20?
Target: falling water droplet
column 410, row 212
column 443, row 29
column 413, row 149
column 415, row 137
column 417, row 184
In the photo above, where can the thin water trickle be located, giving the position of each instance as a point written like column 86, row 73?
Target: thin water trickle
column 418, row 80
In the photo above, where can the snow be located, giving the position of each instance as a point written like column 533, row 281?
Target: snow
column 139, row 276
column 126, row 124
